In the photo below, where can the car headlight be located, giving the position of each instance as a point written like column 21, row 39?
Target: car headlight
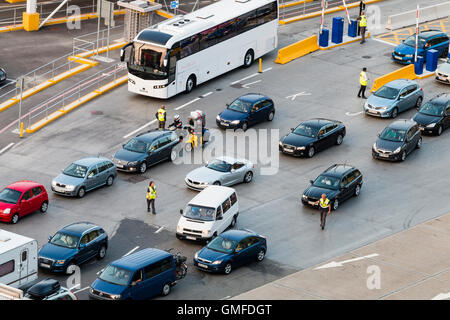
column 132, row 163
column 179, row 228
column 235, row 122
column 409, row 55
column 7, row 211
column 431, row 125
column 304, row 196
column 397, row 150
column 383, row 108
column 115, row 296
column 205, row 233
column 217, row 262
column 53, row 183
column 91, row 290
column 300, row 148
column 366, row 105
column 203, row 183
column 196, row 255
column 70, row 188
column 374, row 147
column 280, row 144
column 218, row 117
column 60, row 261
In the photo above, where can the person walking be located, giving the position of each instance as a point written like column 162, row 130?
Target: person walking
column 363, row 26
column 161, row 115
column 325, row 208
column 363, row 82
column 151, row 196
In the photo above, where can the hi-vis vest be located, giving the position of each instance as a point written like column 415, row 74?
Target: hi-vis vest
column 151, row 194
column 324, row 203
column 363, row 78
column 363, row 21
column 161, row 115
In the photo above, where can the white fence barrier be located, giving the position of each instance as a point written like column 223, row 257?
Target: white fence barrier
column 408, row 18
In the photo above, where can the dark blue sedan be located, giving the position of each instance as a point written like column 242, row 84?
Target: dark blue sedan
column 246, row 111
column 231, row 250
column 73, row 245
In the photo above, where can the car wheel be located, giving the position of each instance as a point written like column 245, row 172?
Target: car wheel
column 403, row 156
column 15, row 218
column 102, row 252
column 248, row 177
column 110, row 181
column 419, row 143
column 394, row 113
column 270, row 116
column 143, row 167
column 188, row 147
column 445, row 53
column 227, row 269
column 217, row 183
column 44, row 207
column 357, row 190
column 81, row 192
column 419, row 102
column 261, row 255
column 311, row 152
column 335, row 204
column 245, row 126
column 339, row 139
column 173, row 155
column 190, row 83
column 233, row 222
column 70, row 268
column 439, row 130
column 248, row 59
column 166, row 289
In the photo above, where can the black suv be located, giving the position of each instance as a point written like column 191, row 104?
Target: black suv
column 434, row 116
column 145, row 150
column 397, row 140
column 339, row 182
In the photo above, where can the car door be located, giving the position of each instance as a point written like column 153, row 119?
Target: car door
column 254, row 115
column 411, row 139
column 411, row 96
column 102, row 172
column 343, row 188
column 153, row 280
column 266, row 108
column 351, row 183
column 164, row 146
column 92, row 178
column 139, row 287
column 25, row 204
column 226, row 216
column 38, row 198
column 446, row 121
column 94, row 243
column 154, row 154
column 242, row 253
column 236, row 174
column 84, row 250
column 322, row 139
column 402, row 100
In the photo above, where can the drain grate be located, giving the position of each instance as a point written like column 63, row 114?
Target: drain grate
column 366, row 57
column 96, row 113
column 136, row 178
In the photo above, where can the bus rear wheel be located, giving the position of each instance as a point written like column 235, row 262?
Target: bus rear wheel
column 248, row 59
column 190, row 83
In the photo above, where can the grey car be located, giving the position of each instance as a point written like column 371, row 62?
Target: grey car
column 84, row 175
column 394, row 97
column 225, row 171
column 443, row 73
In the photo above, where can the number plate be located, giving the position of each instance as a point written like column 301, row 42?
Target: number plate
column 119, row 166
column 191, row 238
column 44, row 265
column 201, row 265
column 398, row 58
column 59, row 189
column 224, row 124
column 372, row 111
column 421, row 128
column 288, row 150
column 311, row 202
column 383, row 155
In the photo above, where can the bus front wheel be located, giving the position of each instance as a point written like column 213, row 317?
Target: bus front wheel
column 190, row 83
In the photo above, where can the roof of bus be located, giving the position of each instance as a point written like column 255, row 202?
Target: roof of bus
column 172, row 30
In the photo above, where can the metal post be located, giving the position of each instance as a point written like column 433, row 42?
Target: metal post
column 21, row 80
column 99, row 9
column 109, row 23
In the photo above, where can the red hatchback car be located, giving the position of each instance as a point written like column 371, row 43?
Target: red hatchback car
column 20, row 199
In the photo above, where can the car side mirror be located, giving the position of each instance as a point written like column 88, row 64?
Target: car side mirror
column 227, row 104
column 181, row 211
column 133, row 283
column 292, row 129
column 378, row 135
column 311, row 181
column 82, row 245
column 49, row 238
column 219, row 217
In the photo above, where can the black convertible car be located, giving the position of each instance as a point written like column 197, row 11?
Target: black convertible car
column 312, row 136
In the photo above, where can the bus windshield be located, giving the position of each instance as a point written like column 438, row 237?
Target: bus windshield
column 148, row 59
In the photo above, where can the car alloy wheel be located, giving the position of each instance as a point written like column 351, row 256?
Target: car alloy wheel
column 44, row 206
column 173, row 155
column 248, row 177
column 15, row 218
column 335, row 204
column 227, row 269
column 143, row 167
column 395, row 113
column 81, row 192
column 270, row 116
column 439, row 130
column 311, row 152
column 260, row 256
column 403, row 156
column 217, row 183
column 357, row 190
column 419, row 143
column 102, row 252
column 110, row 181
column 166, row 289
column 244, row 126
column 339, row 140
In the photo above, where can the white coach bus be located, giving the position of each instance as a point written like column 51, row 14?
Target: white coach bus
column 177, row 54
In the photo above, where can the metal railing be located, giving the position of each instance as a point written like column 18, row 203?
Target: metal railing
column 91, row 41
column 61, row 100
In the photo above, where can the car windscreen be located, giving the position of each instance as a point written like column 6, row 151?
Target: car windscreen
column 116, row 275
column 396, row 135
column 306, row 130
column 432, row 109
column 240, row 106
column 411, row 41
column 76, row 170
column 387, row 92
column 219, row 165
column 137, row 145
column 65, row 240
column 10, row 196
column 326, row 182
column 222, row 244
column 199, row 213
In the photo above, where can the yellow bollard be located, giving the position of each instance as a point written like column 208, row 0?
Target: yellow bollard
column 21, row 129
column 260, row 65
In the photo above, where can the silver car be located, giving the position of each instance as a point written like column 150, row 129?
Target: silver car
column 84, row 175
column 443, row 72
column 223, row 171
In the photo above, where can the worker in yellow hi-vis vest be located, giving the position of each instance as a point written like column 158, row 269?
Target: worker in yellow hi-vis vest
column 325, row 208
column 151, row 196
column 363, row 26
column 363, row 82
column 161, row 116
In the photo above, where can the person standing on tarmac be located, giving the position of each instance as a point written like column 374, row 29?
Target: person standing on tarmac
column 362, row 26
column 363, row 82
column 325, row 208
column 151, row 196
column 161, row 115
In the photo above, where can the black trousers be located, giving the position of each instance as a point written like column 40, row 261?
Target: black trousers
column 151, row 203
column 323, row 216
column 363, row 34
column 362, row 91
column 162, row 125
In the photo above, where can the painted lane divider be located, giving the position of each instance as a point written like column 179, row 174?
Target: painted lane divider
column 206, row 94
column 139, row 129
column 131, row 251
column 353, row 114
column 293, row 96
column 250, row 76
column 334, row 264
column 6, row 148
column 159, row 230
column 246, row 86
column 187, row 103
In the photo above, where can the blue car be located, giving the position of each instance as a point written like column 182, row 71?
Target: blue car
column 246, row 111
column 429, row 39
column 138, row 276
column 73, row 245
column 230, row 250
column 394, row 97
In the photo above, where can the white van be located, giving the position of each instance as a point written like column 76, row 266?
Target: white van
column 18, row 259
column 211, row 212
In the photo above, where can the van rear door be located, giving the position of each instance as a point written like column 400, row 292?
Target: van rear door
column 157, row 275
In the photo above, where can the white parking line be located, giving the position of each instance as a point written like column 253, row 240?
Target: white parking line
column 131, row 251
column 139, row 129
column 268, row 69
column 187, row 103
column 385, row 42
column 75, row 292
column 353, row 114
column 159, row 230
column 7, row 147
column 248, row 77
column 247, row 84
column 206, row 94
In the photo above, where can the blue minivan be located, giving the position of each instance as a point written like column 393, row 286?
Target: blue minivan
column 138, row 276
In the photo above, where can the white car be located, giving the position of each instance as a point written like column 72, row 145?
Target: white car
column 222, row 171
column 443, row 72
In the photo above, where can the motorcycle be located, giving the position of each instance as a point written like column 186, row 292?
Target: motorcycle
column 180, row 264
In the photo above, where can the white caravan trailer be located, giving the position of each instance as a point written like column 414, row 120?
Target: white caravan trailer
column 18, row 259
